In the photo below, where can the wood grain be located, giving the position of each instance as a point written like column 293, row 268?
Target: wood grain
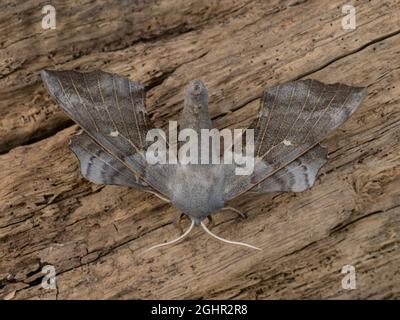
column 95, row 236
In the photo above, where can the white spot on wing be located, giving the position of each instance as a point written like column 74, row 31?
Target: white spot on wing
column 114, row 133
column 287, row 143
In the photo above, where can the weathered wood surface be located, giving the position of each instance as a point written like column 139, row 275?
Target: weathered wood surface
column 95, row 235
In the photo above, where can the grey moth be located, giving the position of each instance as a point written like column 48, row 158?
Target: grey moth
column 294, row 118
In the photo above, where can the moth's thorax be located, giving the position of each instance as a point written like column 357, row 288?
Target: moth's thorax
column 195, row 111
column 197, row 190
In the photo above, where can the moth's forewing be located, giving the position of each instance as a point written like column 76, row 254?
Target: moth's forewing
column 111, row 111
column 294, row 117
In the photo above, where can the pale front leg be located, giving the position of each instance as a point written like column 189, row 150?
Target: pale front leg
column 159, row 196
column 210, row 222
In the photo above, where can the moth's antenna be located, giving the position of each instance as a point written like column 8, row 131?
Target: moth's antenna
column 228, row 241
column 173, row 241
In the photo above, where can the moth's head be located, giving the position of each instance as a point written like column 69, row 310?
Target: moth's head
column 196, row 96
column 195, row 211
column 197, row 219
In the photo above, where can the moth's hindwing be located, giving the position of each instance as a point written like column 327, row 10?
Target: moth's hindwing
column 298, row 175
column 100, row 167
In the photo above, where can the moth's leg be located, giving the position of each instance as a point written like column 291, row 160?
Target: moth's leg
column 211, row 222
column 240, row 213
column 178, row 222
column 159, row 196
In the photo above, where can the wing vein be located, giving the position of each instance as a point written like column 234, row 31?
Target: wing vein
column 300, row 113
column 104, row 103
column 134, row 114
column 286, row 111
column 83, row 103
column 320, row 117
column 269, row 117
column 118, row 106
column 90, row 96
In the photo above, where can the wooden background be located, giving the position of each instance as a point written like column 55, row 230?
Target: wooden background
column 95, row 235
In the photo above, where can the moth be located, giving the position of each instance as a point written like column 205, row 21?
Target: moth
column 294, row 118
